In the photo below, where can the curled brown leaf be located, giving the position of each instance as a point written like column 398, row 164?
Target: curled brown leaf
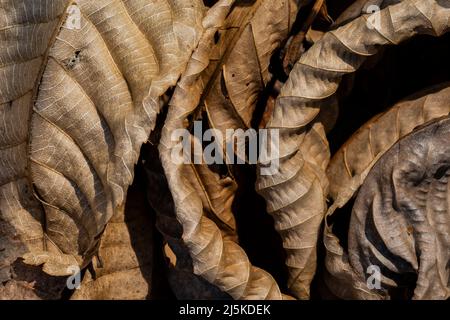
column 296, row 194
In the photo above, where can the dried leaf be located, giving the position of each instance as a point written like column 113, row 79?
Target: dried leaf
column 184, row 283
column 217, row 196
column 255, row 31
column 293, row 51
column 238, row 68
column 296, row 195
column 400, row 221
column 79, row 93
column 351, row 164
column 30, row 283
column 361, row 7
column 123, row 268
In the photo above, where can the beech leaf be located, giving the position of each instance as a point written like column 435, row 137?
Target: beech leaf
column 296, row 195
column 80, row 88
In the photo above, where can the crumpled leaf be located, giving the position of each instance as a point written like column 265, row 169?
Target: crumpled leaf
column 400, row 222
column 218, row 78
column 295, row 47
column 352, row 164
column 79, row 93
column 217, row 196
column 296, row 195
column 360, row 7
column 238, row 68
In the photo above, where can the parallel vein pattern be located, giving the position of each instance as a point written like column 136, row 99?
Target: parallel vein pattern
column 95, row 105
column 218, row 260
column 296, row 195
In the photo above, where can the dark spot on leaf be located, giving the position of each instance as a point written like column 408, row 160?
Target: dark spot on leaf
column 440, row 172
column 216, row 37
column 74, row 60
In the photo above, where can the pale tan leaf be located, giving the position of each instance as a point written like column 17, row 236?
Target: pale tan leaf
column 311, row 86
column 78, row 102
column 361, row 7
column 25, row 33
column 239, row 65
column 184, row 283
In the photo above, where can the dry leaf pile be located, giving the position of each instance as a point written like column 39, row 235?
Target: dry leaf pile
column 91, row 92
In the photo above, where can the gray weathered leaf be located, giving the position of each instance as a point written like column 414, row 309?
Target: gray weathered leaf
column 400, row 223
column 354, row 161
